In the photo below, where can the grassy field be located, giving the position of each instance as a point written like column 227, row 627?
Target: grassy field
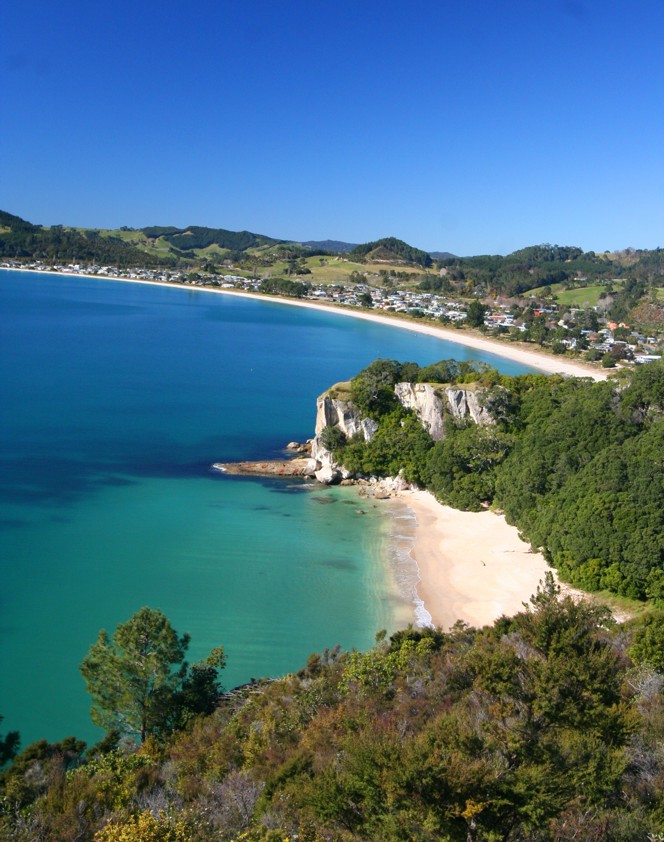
column 581, row 297
column 622, row 607
column 335, row 270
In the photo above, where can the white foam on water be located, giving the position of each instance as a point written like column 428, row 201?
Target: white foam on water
column 404, row 568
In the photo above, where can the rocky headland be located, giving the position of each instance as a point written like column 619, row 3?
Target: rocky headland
column 431, row 402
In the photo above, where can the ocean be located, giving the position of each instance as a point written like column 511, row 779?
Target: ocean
column 115, row 399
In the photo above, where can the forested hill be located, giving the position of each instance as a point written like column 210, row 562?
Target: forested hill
column 199, row 237
column 545, row 265
column 331, row 246
column 392, row 249
column 23, row 240
column 576, row 465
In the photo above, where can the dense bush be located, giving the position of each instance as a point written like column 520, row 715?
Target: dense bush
column 284, row 286
column 576, row 465
column 538, row 728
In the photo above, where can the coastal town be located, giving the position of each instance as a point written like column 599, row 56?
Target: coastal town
column 578, row 332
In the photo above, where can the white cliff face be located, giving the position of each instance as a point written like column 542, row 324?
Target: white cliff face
column 431, row 402
column 464, row 403
column 427, row 401
column 333, row 412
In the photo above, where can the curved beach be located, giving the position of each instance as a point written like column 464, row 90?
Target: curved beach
column 472, row 566
column 517, row 352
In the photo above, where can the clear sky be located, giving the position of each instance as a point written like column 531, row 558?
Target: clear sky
column 472, row 127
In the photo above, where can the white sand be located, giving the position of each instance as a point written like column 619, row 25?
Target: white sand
column 473, row 566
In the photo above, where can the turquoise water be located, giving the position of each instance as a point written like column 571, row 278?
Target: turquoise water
column 116, row 398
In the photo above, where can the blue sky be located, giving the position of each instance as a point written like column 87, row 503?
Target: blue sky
column 476, row 127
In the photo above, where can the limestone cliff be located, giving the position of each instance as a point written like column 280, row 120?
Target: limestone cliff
column 337, row 412
column 432, row 402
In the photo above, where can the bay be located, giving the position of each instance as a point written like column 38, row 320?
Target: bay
column 115, row 399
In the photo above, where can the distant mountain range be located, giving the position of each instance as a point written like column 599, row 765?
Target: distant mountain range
column 442, row 255
column 165, row 244
column 333, row 246
column 197, row 247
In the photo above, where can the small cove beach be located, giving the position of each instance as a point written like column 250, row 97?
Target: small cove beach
column 470, row 566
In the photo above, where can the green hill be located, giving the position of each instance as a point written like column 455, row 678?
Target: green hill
column 199, row 237
column 23, row 240
column 530, row 268
column 392, row 250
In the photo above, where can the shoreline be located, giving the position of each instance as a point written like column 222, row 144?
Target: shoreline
column 539, row 360
column 472, row 566
column 469, row 566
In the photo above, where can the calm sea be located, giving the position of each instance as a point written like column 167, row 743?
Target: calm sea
column 115, row 399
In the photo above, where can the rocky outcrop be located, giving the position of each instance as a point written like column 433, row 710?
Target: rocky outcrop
column 334, row 412
column 466, row 403
column 427, row 402
column 432, row 402
column 270, row 468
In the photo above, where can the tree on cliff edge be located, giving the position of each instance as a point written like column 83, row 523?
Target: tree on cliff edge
column 9, row 745
column 139, row 681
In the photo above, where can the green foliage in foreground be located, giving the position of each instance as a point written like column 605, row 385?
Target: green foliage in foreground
column 9, row 745
column 576, row 465
column 139, row 681
column 544, row 727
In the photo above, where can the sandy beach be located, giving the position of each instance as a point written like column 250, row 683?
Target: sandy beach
column 472, row 565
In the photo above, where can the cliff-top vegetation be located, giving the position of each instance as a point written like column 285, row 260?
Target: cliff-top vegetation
column 544, row 727
column 575, row 464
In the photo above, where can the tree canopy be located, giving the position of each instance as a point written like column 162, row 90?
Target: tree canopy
column 546, row 727
column 391, row 247
column 574, row 464
column 139, row 681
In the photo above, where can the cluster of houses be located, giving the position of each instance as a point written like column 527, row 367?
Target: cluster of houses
column 498, row 319
column 393, row 301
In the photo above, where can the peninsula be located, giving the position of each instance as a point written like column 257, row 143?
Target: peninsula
column 526, row 448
